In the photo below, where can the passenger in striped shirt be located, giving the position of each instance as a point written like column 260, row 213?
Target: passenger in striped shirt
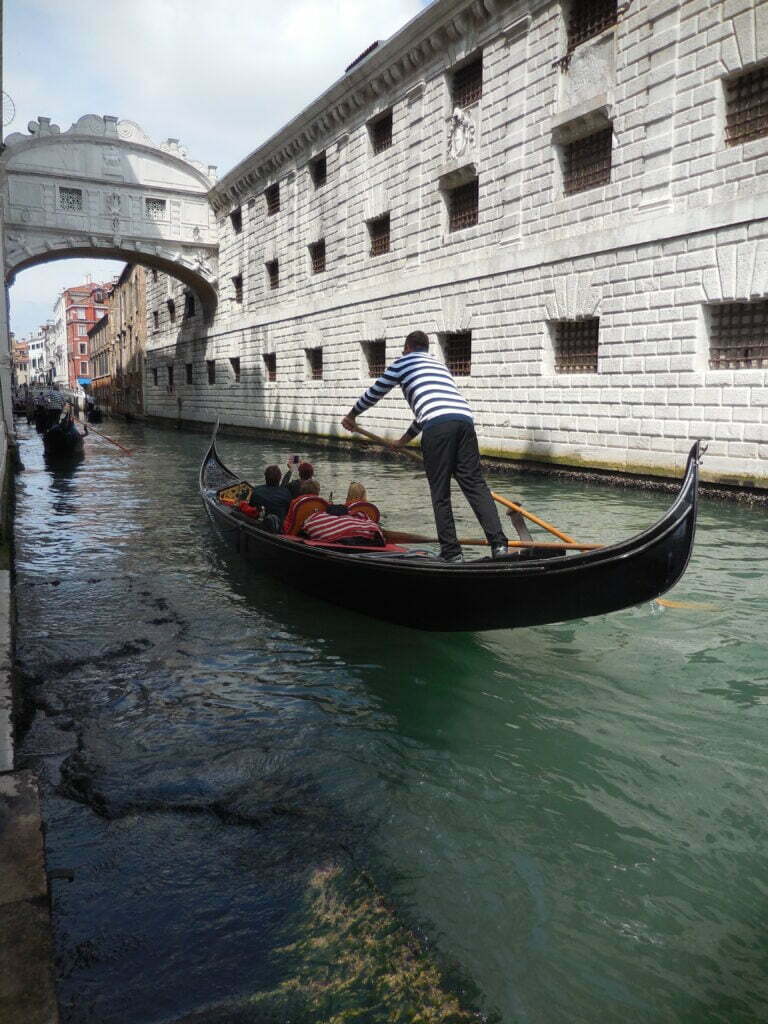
column 449, row 443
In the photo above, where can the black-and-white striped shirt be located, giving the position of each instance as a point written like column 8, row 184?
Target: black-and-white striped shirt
column 429, row 389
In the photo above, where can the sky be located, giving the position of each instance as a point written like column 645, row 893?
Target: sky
column 221, row 77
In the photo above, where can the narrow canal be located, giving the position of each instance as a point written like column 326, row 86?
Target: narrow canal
column 276, row 811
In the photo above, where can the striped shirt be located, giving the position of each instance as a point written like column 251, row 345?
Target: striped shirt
column 429, row 389
column 332, row 529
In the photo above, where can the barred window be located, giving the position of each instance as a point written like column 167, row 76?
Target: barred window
column 154, row 375
column 155, row 319
column 375, row 357
column 189, row 304
column 378, row 230
column 210, row 365
column 746, row 98
column 587, row 162
column 575, row 345
column 270, row 365
column 467, row 84
column 589, row 18
column 155, row 209
column 273, row 273
column 237, row 284
column 170, row 377
column 236, row 217
column 71, row 199
column 317, row 256
column 154, row 276
column 188, row 370
column 318, row 168
column 738, row 335
column 272, row 196
column 314, row 363
column 234, row 363
column 171, row 310
column 457, row 352
column 381, row 132
column 463, row 202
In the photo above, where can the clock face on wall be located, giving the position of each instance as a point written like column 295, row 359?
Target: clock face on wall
column 9, row 110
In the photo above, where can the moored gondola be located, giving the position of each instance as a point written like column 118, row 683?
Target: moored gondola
column 417, row 590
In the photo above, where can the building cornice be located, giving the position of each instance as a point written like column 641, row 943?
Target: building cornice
column 391, row 67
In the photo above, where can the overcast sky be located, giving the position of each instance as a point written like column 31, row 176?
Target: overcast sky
column 221, row 77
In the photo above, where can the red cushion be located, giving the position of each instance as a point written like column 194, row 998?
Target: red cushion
column 252, row 511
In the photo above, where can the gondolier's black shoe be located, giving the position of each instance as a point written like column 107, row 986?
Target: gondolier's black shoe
column 453, row 559
column 499, row 550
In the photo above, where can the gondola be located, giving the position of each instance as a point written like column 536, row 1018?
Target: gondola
column 94, row 415
column 418, row 590
column 63, row 440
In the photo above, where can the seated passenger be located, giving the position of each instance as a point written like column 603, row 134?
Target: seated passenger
column 356, row 492
column 337, row 525
column 309, row 487
column 306, row 472
column 272, row 496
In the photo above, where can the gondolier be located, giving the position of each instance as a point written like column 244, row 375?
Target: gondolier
column 448, row 444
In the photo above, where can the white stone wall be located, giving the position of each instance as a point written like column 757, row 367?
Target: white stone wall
column 682, row 223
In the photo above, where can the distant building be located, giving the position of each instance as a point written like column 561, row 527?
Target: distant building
column 117, row 345
column 37, row 356
column 76, row 311
column 20, row 360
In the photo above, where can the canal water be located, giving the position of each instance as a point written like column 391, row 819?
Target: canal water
column 261, row 808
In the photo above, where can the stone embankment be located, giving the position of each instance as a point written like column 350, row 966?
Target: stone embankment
column 27, row 992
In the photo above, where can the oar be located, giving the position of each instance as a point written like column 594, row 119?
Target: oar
column 400, row 537
column 111, row 440
column 388, row 444
column 496, row 497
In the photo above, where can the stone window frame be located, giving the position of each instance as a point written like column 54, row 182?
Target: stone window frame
column 156, row 209
column 598, row 17
column 237, row 286
column 190, row 307
column 454, row 196
column 459, row 93
column 380, row 240
column 189, row 374
column 155, row 319
column 318, row 170
column 557, row 329
column 758, row 310
column 269, row 359
column 318, row 257
column 374, row 358
column 574, row 127
column 730, row 118
column 458, row 362
column 234, row 366
column 171, row 310
column 82, row 348
column 272, row 198
column 381, row 131
column 210, row 368
column 171, row 383
column 154, row 376
column 236, row 220
column 272, row 268
column 70, row 199
column 314, row 363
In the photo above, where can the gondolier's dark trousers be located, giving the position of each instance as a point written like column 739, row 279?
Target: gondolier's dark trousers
column 450, row 450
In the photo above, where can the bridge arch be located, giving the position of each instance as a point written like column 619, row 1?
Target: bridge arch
column 104, row 189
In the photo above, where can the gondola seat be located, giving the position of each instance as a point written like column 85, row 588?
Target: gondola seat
column 300, row 508
column 241, row 491
column 367, row 508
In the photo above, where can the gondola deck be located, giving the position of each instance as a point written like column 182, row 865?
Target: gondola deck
column 399, row 586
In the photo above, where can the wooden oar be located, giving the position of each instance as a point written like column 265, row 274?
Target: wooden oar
column 388, row 444
column 110, row 439
column 400, row 537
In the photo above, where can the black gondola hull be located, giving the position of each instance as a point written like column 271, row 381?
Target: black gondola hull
column 62, row 442
column 478, row 595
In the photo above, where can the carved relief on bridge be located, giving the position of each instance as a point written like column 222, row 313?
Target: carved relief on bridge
column 103, row 187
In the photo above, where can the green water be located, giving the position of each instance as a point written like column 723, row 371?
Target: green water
column 562, row 824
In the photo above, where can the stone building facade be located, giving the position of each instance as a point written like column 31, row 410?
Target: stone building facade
column 118, row 344
column 570, row 197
